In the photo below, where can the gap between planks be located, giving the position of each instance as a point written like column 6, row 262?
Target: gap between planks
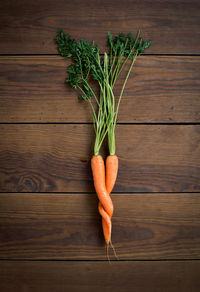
column 101, row 54
column 100, row 261
column 119, row 124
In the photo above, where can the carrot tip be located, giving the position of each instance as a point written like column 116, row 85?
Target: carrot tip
column 107, row 252
column 114, row 250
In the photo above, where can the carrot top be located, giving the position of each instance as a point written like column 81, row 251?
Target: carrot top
column 88, row 64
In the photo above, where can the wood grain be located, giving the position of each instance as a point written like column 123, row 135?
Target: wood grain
column 156, row 223
column 87, row 276
column 29, row 27
column 56, row 158
column 68, row 226
column 160, row 89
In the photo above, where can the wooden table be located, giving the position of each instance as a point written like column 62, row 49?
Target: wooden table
column 50, row 230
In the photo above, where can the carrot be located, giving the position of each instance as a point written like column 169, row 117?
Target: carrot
column 105, row 202
column 98, row 171
column 111, row 175
column 111, row 172
column 106, row 223
column 87, row 63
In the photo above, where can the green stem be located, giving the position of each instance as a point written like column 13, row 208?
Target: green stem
column 112, row 64
column 127, row 58
column 123, row 87
column 111, row 132
column 93, row 111
column 115, row 73
column 103, row 118
column 116, row 67
column 95, row 97
column 85, row 80
column 111, row 140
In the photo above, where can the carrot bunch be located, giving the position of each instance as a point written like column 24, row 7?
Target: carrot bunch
column 104, row 183
column 90, row 66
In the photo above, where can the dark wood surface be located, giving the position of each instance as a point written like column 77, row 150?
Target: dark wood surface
column 161, row 89
column 68, row 226
column 56, row 158
column 50, row 229
column 88, row 276
column 29, row 27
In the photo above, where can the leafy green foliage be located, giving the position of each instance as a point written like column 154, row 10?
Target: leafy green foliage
column 105, row 70
column 86, row 60
column 126, row 45
column 142, row 46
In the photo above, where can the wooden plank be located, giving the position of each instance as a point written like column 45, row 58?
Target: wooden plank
column 56, row 158
column 160, row 89
column 90, row 276
column 30, row 26
column 68, row 226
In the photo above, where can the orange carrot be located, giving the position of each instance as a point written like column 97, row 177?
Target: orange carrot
column 111, row 172
column 98, row 171
column 106, row 223
column 111, row 175
column 105, row 204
